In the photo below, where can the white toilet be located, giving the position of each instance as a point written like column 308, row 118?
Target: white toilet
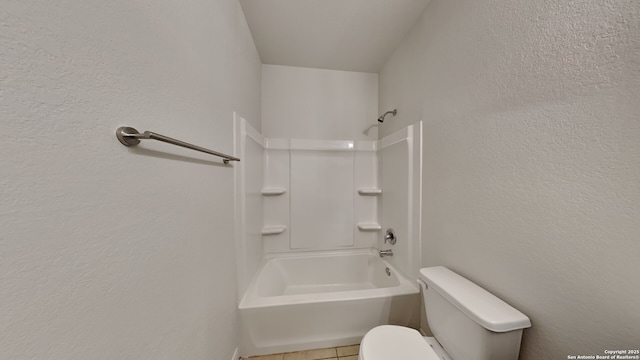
column 468, row 323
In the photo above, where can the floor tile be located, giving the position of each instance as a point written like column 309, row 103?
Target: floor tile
column 351, row 357
column 315, row 354
column 348, row 350
column 267, row 357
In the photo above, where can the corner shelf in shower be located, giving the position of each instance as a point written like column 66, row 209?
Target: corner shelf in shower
column 370, row 192
column 273, row 229
column 369, row 227
column 273, row 191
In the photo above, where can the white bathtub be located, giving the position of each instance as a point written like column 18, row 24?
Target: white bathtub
column 321, row 299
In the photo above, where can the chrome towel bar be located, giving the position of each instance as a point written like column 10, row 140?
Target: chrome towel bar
column 129, row 136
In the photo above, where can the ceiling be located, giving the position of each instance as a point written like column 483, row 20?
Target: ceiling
column 351, row 35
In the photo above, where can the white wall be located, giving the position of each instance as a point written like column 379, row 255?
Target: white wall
column 531, row 159
column 318, row 104
column 109, row 252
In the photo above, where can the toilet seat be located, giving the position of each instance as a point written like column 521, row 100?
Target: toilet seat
column 390, row 342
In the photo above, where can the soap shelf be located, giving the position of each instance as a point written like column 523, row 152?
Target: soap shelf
column 273, row 229
column 369, row 227
column 273, row 191
column 370, row 192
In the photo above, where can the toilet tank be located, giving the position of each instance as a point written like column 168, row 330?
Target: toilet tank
column 469, row 322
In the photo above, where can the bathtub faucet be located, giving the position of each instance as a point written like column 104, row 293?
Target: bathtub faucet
column 384, row 253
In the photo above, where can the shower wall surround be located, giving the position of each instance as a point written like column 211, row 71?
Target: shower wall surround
column 294, row 194
column 248, row 174
column 321, row 208
column 322, row 202
column 306, row 195
column 401, row 178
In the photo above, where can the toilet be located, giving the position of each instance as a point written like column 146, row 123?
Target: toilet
column 468, row 323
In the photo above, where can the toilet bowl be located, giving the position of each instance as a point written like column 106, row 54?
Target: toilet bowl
column 468, row 323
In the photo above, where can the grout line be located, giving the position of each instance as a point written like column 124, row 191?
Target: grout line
column 324, row 358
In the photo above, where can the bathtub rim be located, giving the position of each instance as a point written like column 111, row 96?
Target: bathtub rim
column 251, row 300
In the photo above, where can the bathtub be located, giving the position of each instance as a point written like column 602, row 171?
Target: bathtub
column 322, row 299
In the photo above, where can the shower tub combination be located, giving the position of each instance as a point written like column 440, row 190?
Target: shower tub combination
column 322, row 299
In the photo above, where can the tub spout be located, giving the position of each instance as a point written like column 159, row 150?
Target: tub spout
column 384, row 253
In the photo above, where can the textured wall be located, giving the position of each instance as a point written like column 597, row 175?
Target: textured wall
column 531, row 159
column 109, row 252
column 321, row 104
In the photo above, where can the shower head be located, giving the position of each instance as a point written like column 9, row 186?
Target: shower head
column 381, row 118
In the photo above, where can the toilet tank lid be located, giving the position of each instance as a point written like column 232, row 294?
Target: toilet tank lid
column 477, row 303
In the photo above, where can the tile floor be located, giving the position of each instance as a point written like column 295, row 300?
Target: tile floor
column 335, row 353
